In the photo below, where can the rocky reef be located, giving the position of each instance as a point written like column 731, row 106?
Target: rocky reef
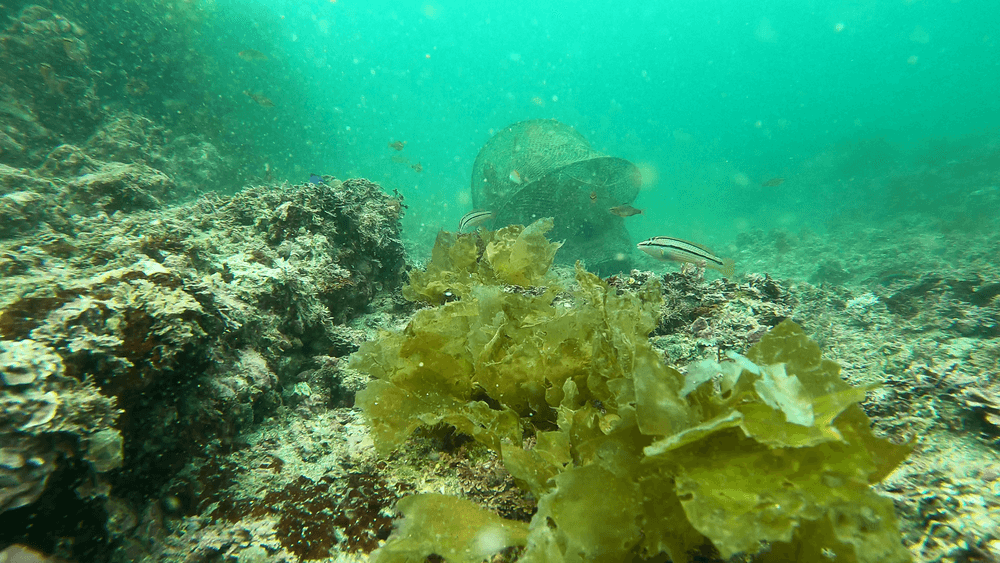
column 148, row 320
column 178, row 372
column 155, row 333
column 64, row 87
column 309, row 486
column 49, row 91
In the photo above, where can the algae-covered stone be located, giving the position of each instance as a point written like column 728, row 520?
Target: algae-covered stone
column 47, row 416
column 24, row 361
column 104, row 450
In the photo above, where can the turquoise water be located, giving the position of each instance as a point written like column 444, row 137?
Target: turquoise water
column 709, row 98
column 850, row 145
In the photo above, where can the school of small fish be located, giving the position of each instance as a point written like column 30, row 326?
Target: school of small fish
column 666, row 249
column 399, row 146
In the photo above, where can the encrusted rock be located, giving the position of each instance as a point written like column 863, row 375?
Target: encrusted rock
column 116, row 187
column 47, row 415
column 104, row 450
column 45, row 55
column 25, row 361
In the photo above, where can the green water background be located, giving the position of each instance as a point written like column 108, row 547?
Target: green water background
column 853, row 102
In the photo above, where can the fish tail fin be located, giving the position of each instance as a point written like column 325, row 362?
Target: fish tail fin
column 728, row 267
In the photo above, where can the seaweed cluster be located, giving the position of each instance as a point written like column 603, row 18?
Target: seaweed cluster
column 767, row 453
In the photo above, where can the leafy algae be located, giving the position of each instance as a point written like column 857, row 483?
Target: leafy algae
column 441, row 524
column 513, row 255
column 630, row 457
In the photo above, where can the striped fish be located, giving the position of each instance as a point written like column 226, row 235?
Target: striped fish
column 677, row 250
column 474, row 219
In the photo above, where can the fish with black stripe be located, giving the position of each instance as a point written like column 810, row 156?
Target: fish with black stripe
column 473, row 219
column 669, row 249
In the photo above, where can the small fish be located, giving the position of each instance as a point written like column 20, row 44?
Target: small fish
column 474, row 219
column 773, row 182
column 982, row 296
column 515, row 177
column 136, row 87
column 398, row 145
column 259, row 98
column 593, row 196
column 316, row 179
column 252, row 55
column 677, row 250
column 51, row 80
column 417, row 167
column 75, row 49
column 888, row 276
column 625, row 211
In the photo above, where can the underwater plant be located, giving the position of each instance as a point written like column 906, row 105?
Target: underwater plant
column 767, row 453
